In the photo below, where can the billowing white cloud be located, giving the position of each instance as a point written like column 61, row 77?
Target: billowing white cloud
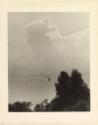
column 47, row 51
column 53, row 51
column 37, row 32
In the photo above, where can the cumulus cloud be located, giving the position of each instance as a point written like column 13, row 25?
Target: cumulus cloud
column 46, row 50
column 54, row 51
column 43, row 32
column 37, row 32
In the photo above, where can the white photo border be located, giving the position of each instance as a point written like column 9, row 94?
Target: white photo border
column 66, row 118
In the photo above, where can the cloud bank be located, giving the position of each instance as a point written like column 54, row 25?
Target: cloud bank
column 46, row 50
column 55, row 51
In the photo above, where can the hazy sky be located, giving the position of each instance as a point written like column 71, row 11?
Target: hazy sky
column 41, row 45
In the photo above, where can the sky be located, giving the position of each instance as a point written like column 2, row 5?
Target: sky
column 40, row 46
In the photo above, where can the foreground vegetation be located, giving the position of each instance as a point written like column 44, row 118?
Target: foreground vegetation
column 72, row 94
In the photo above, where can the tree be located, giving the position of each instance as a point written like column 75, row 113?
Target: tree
column 72, row 94
column 37, row 108
column 70, row 91
column 62, row 92
column 63, row 84
column 78, row 86
column 43, row 106
column 20, row 107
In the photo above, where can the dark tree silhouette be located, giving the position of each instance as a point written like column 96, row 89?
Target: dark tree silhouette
column 37, row 108
column 62, row 92
column 20, row 107
column 72, row 93
column 43, row 106
column 78, row 87
column 63, row 85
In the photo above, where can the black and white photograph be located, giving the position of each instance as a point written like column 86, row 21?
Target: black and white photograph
column 48, row 62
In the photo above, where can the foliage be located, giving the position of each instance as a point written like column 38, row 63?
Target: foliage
column 20, row 107
column 43, row 106
column 70, row 91
column 72, row 94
